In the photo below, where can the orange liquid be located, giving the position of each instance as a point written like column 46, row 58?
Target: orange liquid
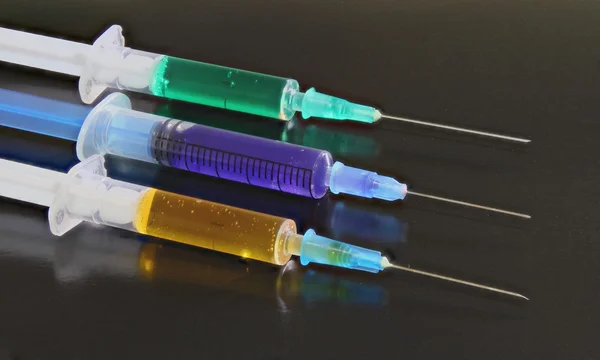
column 160, row 262
column 214, row 226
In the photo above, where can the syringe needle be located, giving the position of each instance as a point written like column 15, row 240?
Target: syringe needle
column 524, row 216
column 385, row 263
column 454, row 128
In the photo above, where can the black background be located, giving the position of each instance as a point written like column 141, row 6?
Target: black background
column 527, row 68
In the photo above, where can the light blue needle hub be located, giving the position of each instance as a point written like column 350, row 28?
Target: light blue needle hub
column 322, row 250
column 368, row 184
column 316, row 104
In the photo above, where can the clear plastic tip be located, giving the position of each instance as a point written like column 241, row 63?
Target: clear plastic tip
column 322, row 250
column 315, row 104
column 363, row 183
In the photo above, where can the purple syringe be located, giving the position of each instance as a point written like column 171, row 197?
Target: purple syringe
column 112, row 127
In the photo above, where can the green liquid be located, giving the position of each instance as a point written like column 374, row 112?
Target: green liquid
column 219, row 86
column 337, row 142
column 221, row 120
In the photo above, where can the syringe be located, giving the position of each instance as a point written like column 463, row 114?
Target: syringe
column 85, row 193
column 93, row 251
column 111, row 127
column 109, row 64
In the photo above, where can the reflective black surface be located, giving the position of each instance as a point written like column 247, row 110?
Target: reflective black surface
column 529, row 69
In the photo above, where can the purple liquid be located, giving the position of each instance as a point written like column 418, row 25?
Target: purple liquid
column 243, row 158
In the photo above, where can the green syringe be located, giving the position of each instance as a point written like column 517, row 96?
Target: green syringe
column 109, row 64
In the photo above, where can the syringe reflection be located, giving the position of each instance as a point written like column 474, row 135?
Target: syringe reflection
column 339, row 141
column 92, row 252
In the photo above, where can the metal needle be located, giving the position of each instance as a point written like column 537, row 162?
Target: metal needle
column 385, row 263
column 524, row 216
column 454, row 128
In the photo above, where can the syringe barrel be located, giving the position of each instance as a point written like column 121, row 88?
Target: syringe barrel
column 244, row 158
column 224, row 87
column 112, row 65
column 87, row 194
column 113, row 128
column 214, row 226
